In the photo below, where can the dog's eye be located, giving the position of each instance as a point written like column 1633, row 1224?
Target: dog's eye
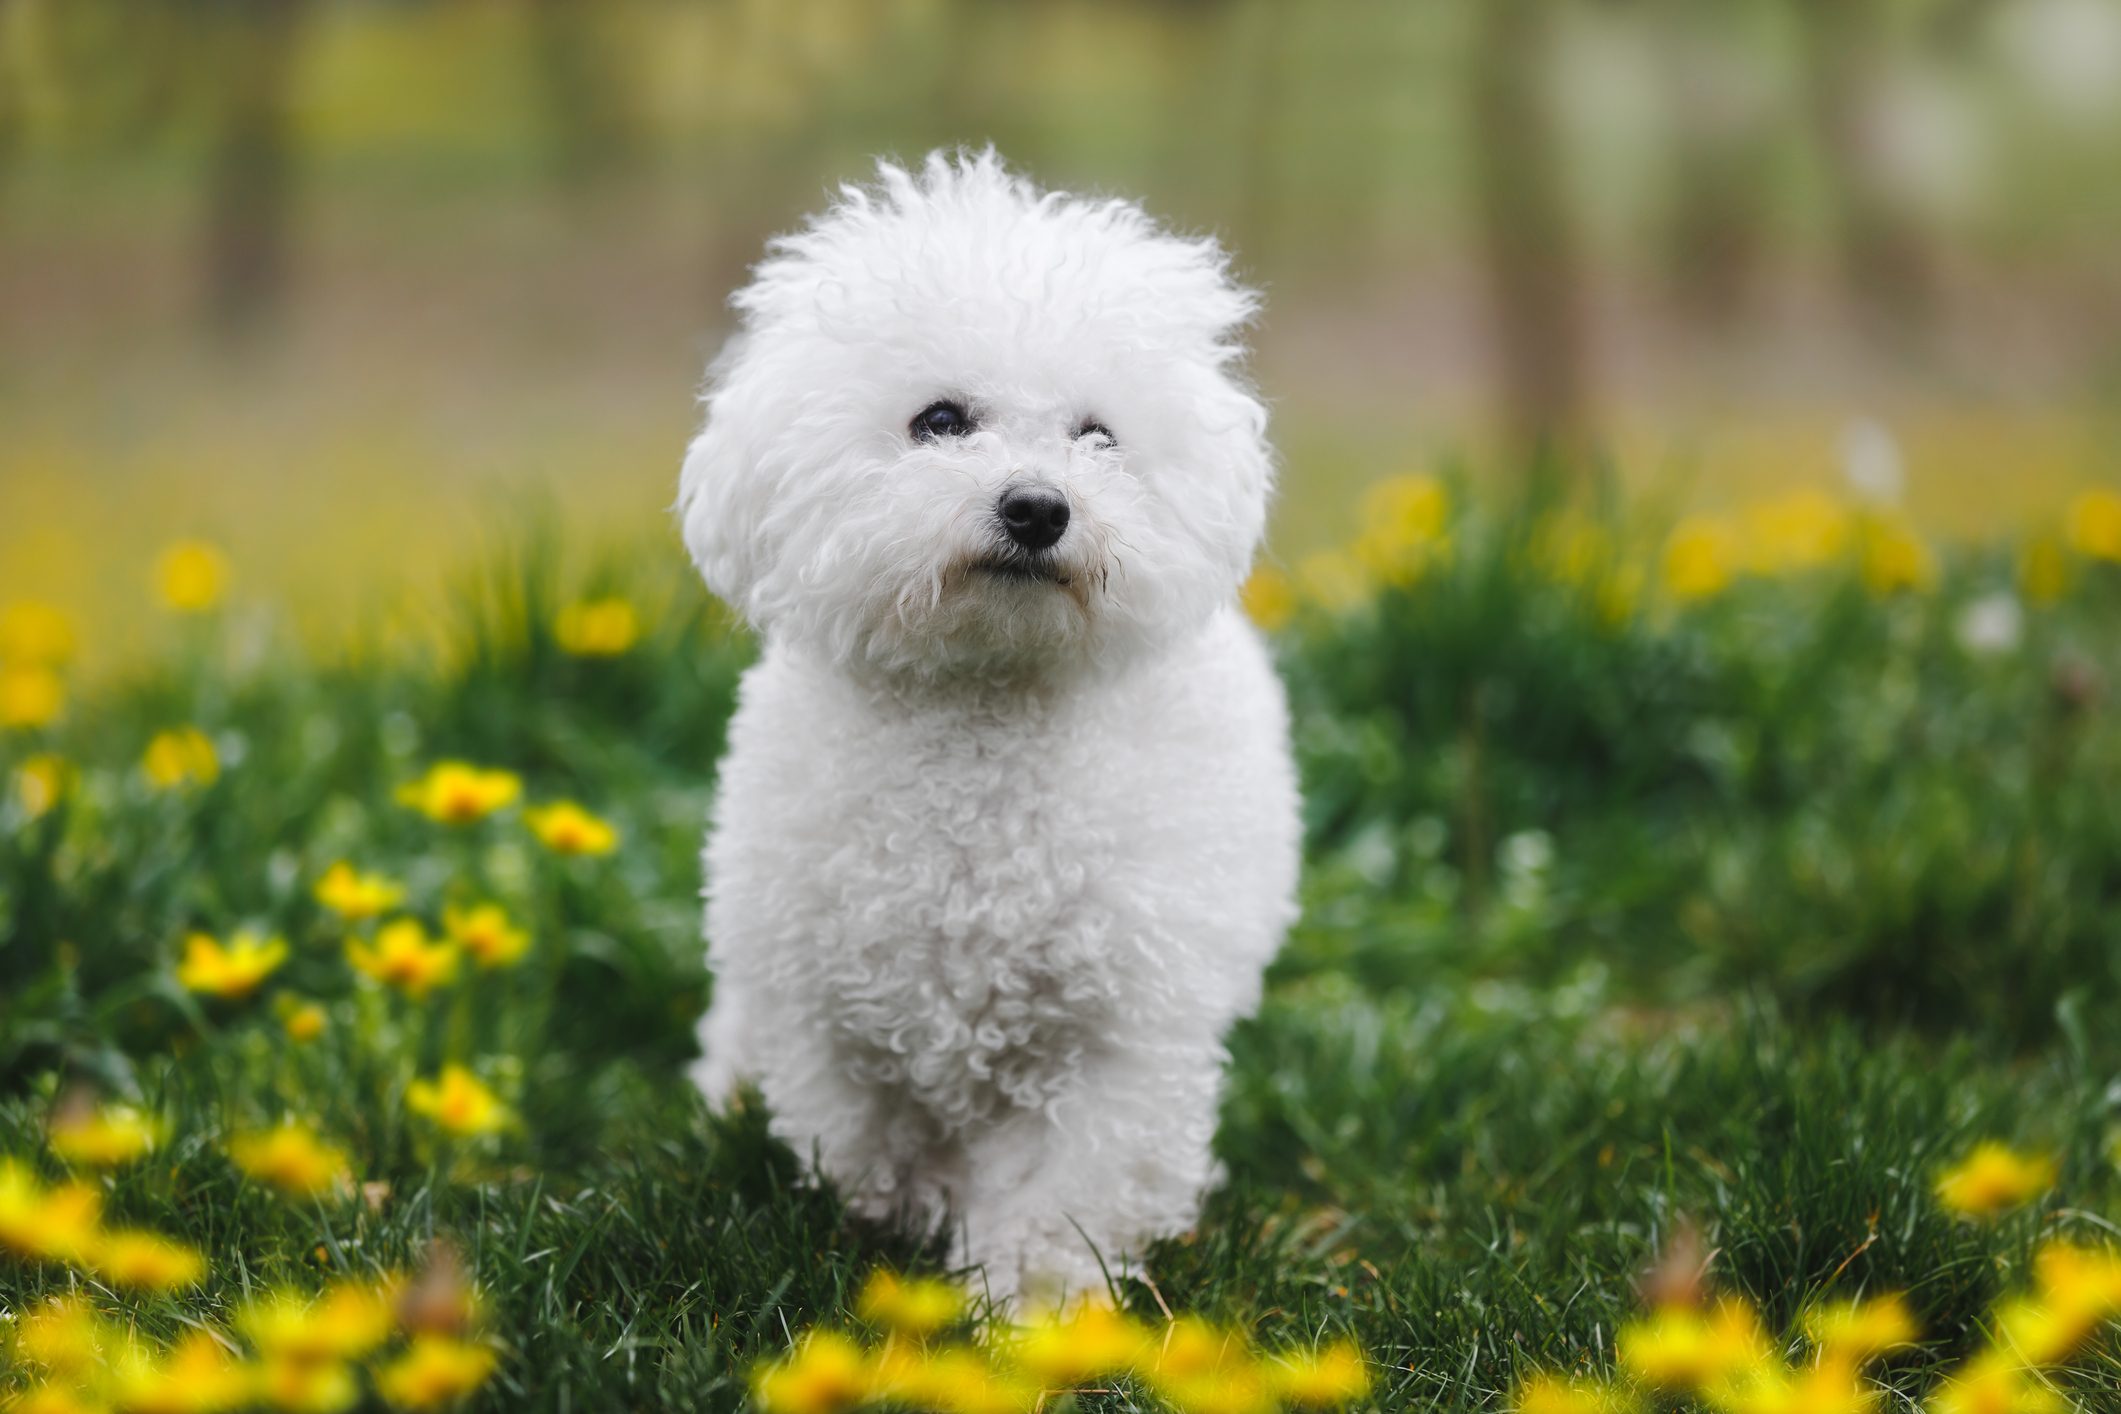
column 942, row 419
column 1092, row 428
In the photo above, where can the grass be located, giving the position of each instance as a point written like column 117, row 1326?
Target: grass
column 1624, row 914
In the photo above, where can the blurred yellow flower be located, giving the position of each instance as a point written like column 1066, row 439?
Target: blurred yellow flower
column 1269, row 598
column 191, row 576
column 2087, row 1278
column 180, row 756
column 434, row 1370
column 303, row 1021
column 1405, row 527
column 306, row 1386
column 1701, row 558
column 825, row 1373
column 1826, row 1388
column 485, row 932
column 197, row 1376
column 458, row 1102
column 954, row 1380
column 350, row 1319
column 404, row 957
column 354, row 895
column 1679, row 1347
column 1994, row 1383
column 232, row 972
column 1550, row 1394
column 46, row 1224
column 597, row 628
column 291, row 1158
column 1895, row 558
column 32, row 632
column 1332, row 580
column 1199, row 1368
column 566, row 828
column 145, row 1261
column 31, row 695
column 2093, row 524
column 2043, row 569
column 458, row 793
column 105, row 1137
column 64, row 1336
column 42, row 781
column 1062, row 1351
column 1994, row 1178
column 1857, row 1332
column 1325, row 1379
column 917, row 1307
column 56, row 1398
column 1799, row 531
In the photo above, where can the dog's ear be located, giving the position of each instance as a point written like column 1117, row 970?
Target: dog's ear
column 719, row 508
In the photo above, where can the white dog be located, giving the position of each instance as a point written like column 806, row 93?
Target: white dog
column 1008, row 828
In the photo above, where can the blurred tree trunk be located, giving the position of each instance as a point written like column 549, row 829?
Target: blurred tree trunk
column 1721, row 142
column 1525, row 230
column 250, row 175
column 588, row 130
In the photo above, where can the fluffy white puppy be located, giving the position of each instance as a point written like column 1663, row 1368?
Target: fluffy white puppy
column 1008, row 828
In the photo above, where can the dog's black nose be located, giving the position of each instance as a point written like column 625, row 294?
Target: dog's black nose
column 1034, row 516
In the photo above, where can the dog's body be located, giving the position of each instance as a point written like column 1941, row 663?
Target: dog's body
column 1007, row 830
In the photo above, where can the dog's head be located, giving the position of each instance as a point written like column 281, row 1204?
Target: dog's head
column 968, row 426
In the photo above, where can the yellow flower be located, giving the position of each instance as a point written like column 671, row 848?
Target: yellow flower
column 55, row 1399
column 101, row 1138
column 1994, row 1178
column 1857, row 1332
column 1826, row 1388
column 1269, row 598
column 1329, row 1378
column 1549, row 1394
column 485, row 932
column 2043, row 569
column 349, row 1320
column 2079, row 1291
column 197, row 1376
column 1405, row 522
column 191, row 576
column 825, row 1373
column 1800, row 531
column 403, row 956
column 41, row 781
column 1895, row 558
column 1201, row 1369
column 434, row 1370
column 291, row 1158
column 232, row 972
column 1679, row 1347
column 354, row 895
column 597, row 628
column 1701, row 558
column 35, row 633
column 956, row 1380
column 180, row 756
column 31, row 695
column 65, row 1337
column 918, row 1307
column 53, row 1225
column 306, row 1387
column 458, row 1102
column 566, row 828
column 1994, row 1383
column 2086, row 1278
column 457, row 793
column 1331, row 580
column 2093, row 524
column 1095, row 1340
column 145, row 1261
column 303, row 1021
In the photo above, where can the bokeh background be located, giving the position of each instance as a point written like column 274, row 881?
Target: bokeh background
column 346, row 285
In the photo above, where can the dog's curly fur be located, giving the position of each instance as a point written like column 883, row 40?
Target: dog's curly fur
column 1004, row 840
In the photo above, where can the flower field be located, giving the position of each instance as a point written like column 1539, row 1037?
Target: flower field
column 1710, row 929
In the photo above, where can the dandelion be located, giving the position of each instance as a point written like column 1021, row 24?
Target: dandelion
column 1326, row 1379
column 2043, row 569
column 347, row 1322
column 145, row 1261
column 32, row 632
column 1827, row 1388
column 457, row 793
column 951, row 1381
column 355, row 896
column 566, row 828
column 434, row 1370
column 597, row 628
column 1994, row 1178
column 486, row 934
column 1678, row 1347
column 1857, row 1332
column 1094, row 1340
column 1800, row 531
column 232, row 972
column 1701, row 558
column 916, row 1307
column 64, row 1337
column 46, row 1224
column 197, row 1376
column 41, row 782
column 2093, row 524
column 1201, row 1369
column 291, row 1158
column 825, row 1373
column 178, row 757
column 458, row 1102
column 1405, row 528
column 54, row 1399
column 104, row 1138
column 191, row 576
column 305, row 1387
column 1549, row 1394
column 404, row 957
column 31, row 695
column 1994, row 1383
column 1269, row 598
column 303, row 1021
column 1894, row 558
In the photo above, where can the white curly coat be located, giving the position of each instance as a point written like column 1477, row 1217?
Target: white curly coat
column 996, row 859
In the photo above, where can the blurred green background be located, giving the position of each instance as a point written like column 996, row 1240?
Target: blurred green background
column 344, row 284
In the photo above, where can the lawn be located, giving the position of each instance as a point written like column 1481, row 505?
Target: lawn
column 1683, row 904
